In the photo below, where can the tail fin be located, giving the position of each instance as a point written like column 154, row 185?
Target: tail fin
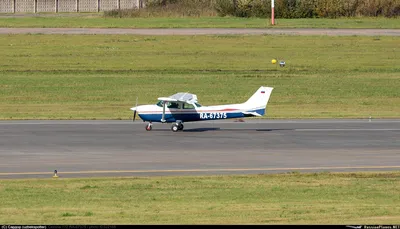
column 259, row 99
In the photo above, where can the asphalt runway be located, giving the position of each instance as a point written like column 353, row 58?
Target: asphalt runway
column 206, row 31
column 33, row 149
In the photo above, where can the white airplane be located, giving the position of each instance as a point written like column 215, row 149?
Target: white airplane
column 183, row 107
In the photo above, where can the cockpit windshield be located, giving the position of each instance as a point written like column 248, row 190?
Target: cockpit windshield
column 160, row 103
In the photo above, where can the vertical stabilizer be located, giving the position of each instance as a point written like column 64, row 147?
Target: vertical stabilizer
column 260, row 98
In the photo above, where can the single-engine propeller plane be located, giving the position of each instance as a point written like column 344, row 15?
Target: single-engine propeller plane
column 184, row 107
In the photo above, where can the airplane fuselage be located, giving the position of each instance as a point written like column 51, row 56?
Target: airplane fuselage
column 153, row 113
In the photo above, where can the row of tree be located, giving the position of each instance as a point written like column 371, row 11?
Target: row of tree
column 293, row 8
column 309, row 8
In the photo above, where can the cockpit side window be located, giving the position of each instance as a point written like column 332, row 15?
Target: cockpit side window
column 188, row 106
column 176, row 105
column 172, row 105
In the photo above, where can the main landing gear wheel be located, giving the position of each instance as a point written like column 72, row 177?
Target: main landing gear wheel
column 149, row 127
column 176, row 126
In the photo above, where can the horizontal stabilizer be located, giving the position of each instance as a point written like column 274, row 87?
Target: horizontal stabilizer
column 252, row 113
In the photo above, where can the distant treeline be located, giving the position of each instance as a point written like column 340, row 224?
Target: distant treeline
column 309, row 8
column 262, row 8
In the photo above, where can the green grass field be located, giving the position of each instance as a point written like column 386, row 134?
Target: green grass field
column 100, row 76
column 320, row 198
column 97, row 21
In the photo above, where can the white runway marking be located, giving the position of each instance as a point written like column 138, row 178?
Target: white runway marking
column 360, row 129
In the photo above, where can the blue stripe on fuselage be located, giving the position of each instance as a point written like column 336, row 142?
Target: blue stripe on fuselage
column 191, row 117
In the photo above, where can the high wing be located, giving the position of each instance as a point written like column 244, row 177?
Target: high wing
column 178, row 97
column 167, row 99
column 181, row 97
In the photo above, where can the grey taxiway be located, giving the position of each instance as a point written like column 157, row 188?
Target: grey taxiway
column 206, row 31
column 124, row 148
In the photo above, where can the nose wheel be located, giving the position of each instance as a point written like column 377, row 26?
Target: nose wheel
column 176, row 127
column 149, row 126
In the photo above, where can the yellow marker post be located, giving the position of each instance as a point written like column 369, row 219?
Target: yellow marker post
column 273, row 61
column 55, row 174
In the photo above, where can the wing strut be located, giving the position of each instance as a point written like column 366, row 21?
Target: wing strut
column 163, row 112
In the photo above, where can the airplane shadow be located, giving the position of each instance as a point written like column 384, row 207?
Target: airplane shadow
column 201, row 129
column 230, row 130
column 273, row 129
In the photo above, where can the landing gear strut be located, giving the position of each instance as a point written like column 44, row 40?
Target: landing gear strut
column 177, row 126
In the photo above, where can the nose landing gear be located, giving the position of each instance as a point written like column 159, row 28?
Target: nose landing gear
column 149, row 126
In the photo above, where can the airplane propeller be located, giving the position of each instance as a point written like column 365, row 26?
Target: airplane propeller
column 134, row 116
column 134, row 110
